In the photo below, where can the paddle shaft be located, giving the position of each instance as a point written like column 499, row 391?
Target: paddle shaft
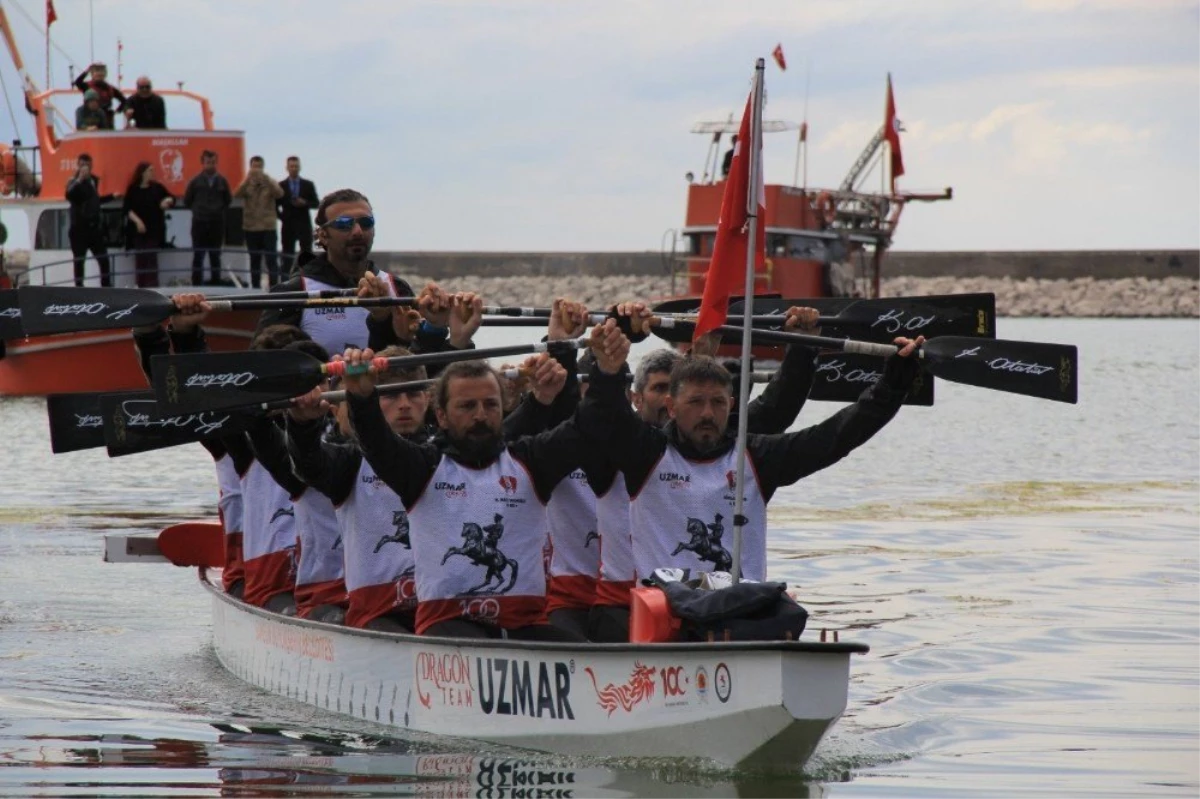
column 341, row 368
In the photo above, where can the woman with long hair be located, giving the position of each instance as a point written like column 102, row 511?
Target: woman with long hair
column 146, row 202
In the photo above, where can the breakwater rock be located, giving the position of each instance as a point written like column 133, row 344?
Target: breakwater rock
column 1084, row 297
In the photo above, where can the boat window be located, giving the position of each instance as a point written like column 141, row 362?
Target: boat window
column 700, row 243
column 51, row 231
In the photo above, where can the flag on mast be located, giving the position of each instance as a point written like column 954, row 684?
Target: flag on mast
column 726, row 269
column 891, row 132
column 51, row 16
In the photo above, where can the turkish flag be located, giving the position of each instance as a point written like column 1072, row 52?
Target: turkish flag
column 779, row 59
column 51, row 17
column 726, row 271
column 891, row 132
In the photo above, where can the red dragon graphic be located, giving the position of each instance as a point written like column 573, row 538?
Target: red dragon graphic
column 640, row 687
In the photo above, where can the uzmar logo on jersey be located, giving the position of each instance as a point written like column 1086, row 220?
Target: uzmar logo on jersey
column 480, row 547
column 676, row 480
column 400, row 522
column 281, row 512
column 705, row 543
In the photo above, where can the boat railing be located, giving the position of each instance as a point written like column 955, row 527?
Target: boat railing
column 171, row 271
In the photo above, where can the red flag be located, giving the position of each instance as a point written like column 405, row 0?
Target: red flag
column 891, row 132
column 726, row 270
column 779, row 59
column 51, row 17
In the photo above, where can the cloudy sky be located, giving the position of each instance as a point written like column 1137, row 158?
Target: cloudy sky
column 554, row 125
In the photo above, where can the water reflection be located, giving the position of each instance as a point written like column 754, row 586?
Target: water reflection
column 265, row 761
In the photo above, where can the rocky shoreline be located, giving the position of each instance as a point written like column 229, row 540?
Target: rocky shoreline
column 1080, row 297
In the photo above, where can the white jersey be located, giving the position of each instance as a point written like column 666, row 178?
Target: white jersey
column 573, row 530
column 616, row 545
column 269, row 516
column 683, row 517
column 229, row 486
column 479, row 533
column 320, row 540
column 374, row 527
column 337, row 327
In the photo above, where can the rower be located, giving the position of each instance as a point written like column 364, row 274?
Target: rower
column 346, row 232
column 476, row 504
column 681, row 477
column 773, row 411
column 185, row 334
column 372, row 520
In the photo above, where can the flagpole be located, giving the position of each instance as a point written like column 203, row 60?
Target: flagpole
column 755, row 153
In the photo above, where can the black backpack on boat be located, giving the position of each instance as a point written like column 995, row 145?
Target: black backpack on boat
column 746, row 611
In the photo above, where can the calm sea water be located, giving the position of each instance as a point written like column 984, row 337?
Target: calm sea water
column 1025, row 573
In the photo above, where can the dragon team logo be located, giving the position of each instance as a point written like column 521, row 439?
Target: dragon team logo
column 400, row 522
column 705, row 542
column 629, row 695
column 480, row 547
column 731, row 479
column 508, row 483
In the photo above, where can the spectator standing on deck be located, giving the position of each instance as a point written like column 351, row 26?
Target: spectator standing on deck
column 259, row 193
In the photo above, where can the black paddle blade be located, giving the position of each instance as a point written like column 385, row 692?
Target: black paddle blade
column 69, row 309
column 843, row 376
column 132, row 424
column 194, row 383
column 1048, row 371
column 76, row 421
column 886, row 318
column 10, row 316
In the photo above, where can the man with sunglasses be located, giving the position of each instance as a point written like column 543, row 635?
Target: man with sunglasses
column 145, row 110
column 346, row 233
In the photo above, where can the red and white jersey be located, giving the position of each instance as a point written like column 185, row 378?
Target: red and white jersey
column 337, row 327
column 229, row 508
column 616, row 545
column 478, row 536
column 575, row 544
column 683, row 517
column 269, row 536
column 378, row 551
column 319, row 564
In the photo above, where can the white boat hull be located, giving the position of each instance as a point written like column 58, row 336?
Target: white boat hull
column 736, row 703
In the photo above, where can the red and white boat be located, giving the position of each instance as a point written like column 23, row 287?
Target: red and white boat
column 763, row 704
column 33, row 181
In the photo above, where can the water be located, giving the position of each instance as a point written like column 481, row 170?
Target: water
column 1025, row 573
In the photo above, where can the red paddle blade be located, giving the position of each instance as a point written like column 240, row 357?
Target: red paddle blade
column 194, row 544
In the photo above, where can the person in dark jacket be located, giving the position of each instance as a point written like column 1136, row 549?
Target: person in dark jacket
column 145, row 208
column 86, row 231
column 346, row 234
column 295, row 206
column 209, row 196
column 104, row 90
column 90, row 116
column 145, row 110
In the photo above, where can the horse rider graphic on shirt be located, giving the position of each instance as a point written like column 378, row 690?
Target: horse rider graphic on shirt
column 705, row 542
column 480, row 547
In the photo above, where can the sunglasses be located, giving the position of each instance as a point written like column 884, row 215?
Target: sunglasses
column 143, row 85
column 347, row 223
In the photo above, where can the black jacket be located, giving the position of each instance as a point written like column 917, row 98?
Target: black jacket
column 297, row 215
column 635, row 446
column 86, row 199
column 208, row 197
column 149, row 112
